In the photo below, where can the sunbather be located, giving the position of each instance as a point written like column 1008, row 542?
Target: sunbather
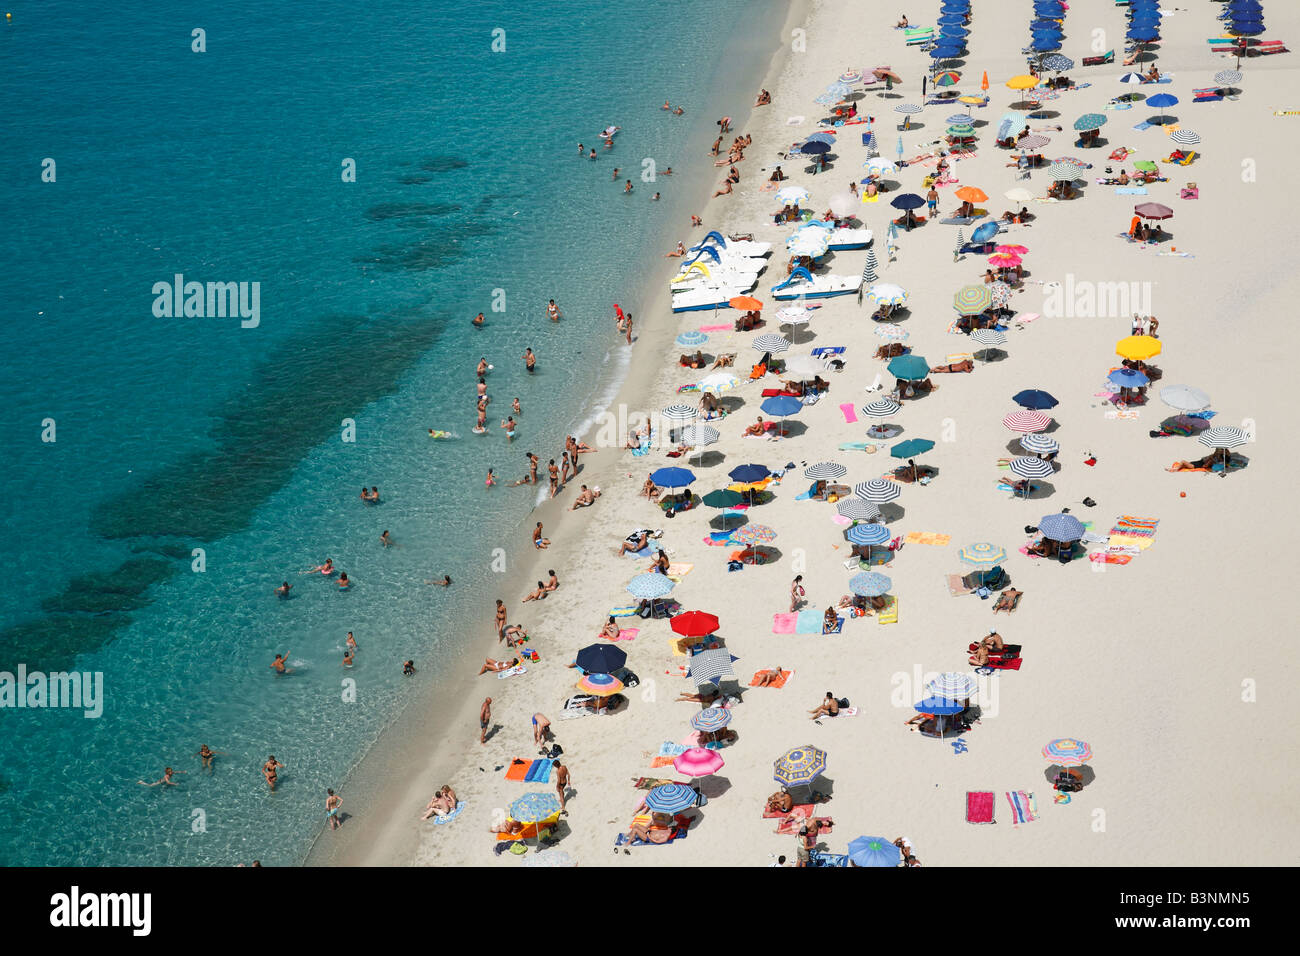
column 659, row 830
column 507, row 826
column 705, row 697
column 649, row 490
column 757, row 429
column 725, row 361
column 610, row 629
column 779, row 802
column 692, row 361
column 892, row 350
column 767, row 678
column 965, row 365
column 830, row 620
column 637, row 543
column 493, row 665
column 830, row 707
column 1008, row 600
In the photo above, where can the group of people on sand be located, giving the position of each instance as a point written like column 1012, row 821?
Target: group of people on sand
column 441, row 803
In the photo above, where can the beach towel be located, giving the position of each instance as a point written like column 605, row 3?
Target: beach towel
column 537, row 771
column 1022, row 807
column 853, row 446
column 867, row 198
column 784, row 623
column 627, row 633
column 956, row 587
column 850, row 416
column 678, row 571
column 513, row 672
column 808, row 622
column 670, row 749
column 448, row 817
column 518, row 769
column 928, row 537
column 765, row 187
column 890, row 614
column 717, row 328
column 1138, row 522
column 658, row 762
column 1106, row 557
column 778, row 683
column 628, row 611
column 1130, row 191
column 979, row 806
column 1143, row 125
column 645, row 552
column 823, row 350
column 678, row 833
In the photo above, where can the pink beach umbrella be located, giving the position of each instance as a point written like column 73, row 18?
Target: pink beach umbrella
column 1013, row 250
column 1026, row 420
column 698, row 762
column 1004, row 260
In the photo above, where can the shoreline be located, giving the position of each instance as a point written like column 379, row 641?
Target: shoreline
column 386, row 830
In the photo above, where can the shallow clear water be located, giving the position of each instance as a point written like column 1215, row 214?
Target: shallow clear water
column 182, row 433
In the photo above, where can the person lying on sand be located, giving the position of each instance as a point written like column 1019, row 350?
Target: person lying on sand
column 757, row 429
column 536, row 594
column 703, row 697
column 768, row 678
column 492, row 665
column 779, row 802
column 965, row 365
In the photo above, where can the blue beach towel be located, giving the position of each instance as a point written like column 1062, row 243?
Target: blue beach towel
column 539, row 772
column 808, row 622
column 828, row 350
column 1130, row 190
column 448, row 817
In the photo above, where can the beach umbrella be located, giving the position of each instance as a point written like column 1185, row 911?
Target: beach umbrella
column 947, row 78
column 823, row 137
column 600, row 685
column 825, row 471
column 746, row 302
column 1063, row 172
column 792, row 313
column 1022, row 82
column 601, row 658
column 781, row 405
column 988, row 338
column 971, row 194
column 680, row 413
column 839, row 88
column 910, row 368
column 754, row 534
column 691, row 339
column 710, row 667
column 885, row 73
column 1161, row 101
column 908, row 108
column 951, row 19
column 1004, row 260
column 799, row 766
column 1031, row 466
column 1034, row 141
column 1223, row 436
column 973, row 100
column 874, row 851
column 1042, row 43
column 534, row 807
column 1185, row 137
column 972, row 299
column 878, row 490
column 891, row 332
column 856, row 509
column 868, row 534
column 1039, row 444
column 1013, row 249
column 1061, row 527
column 1009, row 122
column 940, row 707
column 954, row 686
column 671, row 798
column 911, row 448
column 549, row 857
column 748, row 474
column 806, row 365
column 1138, row 348
column 1228, row 77
column 814, row 148
column 812, row 242
column 1185, row 398
column 982, row 554
column 770, row 343
column 882, row 408
column 886, row 293
column 650, row 587
column 1068, row 752
column 1128, row 378
column 1089, row 121
column 1001, row 293
column 672, row 477
column 718, row 382
column 959, row 119
column 1058, row 63
column 899, row 147
column 694, row 624
column 961, row 244
column 868, row 270
column 984, row 232
column 1153, row 210
column 907, row 201
column 1132, row 79
column 1027, row 421
column 723, row 498
column 791, row 195
column 698, row 762
column 962, row 131
column 850, row 76
column 1019, row 194
column 880, row 165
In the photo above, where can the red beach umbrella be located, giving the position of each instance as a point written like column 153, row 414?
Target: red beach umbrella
column 695, row 624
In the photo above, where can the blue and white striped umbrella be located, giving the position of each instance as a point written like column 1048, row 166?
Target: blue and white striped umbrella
column 650, row 587
column 1223, row 436
column 878, row 490
column 710, row 719
column 857, row 509
column 1061, row 527
column 770, row 343
column 691, row 339
column 671, row 798
column 1132, row 79
column 709, row 667
column 1039, row 444
column 909, row 108
column 534, row 807
column 881, row 408
column 954, row 686
column 825, row 471
column 868, row 534
column 870, row 583
column 988, row 337
column 1029, row 466
column 680, row 413
column 1185, row 137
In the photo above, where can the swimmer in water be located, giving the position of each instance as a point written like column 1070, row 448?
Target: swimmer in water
column 408, row 668
column 206, row 754
column 593, row 154
column 615, row 176
column 279, row 662
column 327, row 568
column 515, row 406
column 580, row 150
column 666, row 106
column 444, row 583
column 284, row 589
column 344, row 583
column 269, row 771
column 385, row 540
column 509, row 426
column 351, row 642
column 491, row 479
column 627, row 188
column 552, row 309
column 166, row 780
column 481, row 426
column 478, row 321
column 482, row 367
column 655, row 197
column 347, row 658
column 667, row 172
column 374, row 494
column 679, row 111
column 530, row 360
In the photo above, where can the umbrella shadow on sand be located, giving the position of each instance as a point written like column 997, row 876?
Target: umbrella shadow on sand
column 714, row 786
column 1086, row 774
column 1039, row 489
column 992, row 354
column 892, row 512
column 705, row 459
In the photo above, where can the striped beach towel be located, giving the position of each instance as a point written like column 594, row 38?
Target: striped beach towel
column 1023, row 807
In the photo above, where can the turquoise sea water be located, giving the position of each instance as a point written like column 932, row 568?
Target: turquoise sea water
column 185, row 432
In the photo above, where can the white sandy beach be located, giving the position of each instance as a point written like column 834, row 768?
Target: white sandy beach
column 1171, row 667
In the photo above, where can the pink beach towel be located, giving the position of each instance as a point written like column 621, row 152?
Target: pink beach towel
column 979, row 806
column 784, row 623
column 850, row 415
column 716, row 328
column 627, row 633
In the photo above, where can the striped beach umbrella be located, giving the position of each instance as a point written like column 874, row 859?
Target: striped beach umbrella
column 709, row 667
column 856, row 509
column 698, row 762
column 908, row 108
column 825, row 471
column 1228, row 77
column 752, row 534
column 691, row 339
column 868, row 534
column 869, row 269
column 1031, row 466
column 947, row 78
column 972, row 299
column 850, row 76
column 1138, row 348
column 1061, row 527
column 1223, row 436
column 874, row 851
column 891, row 332
column 1027, row 420
column 982, row 554
column 878, row 164
column 954, row 686
column 869, row 583
column 718, row 382
column 698, row 436
column 1185, row 137
column 881, row 408
column 534, row 807
column 878, row 490
column 1003, row 260
column 680, row 413
column 650, row 587
column 988, row 338
column 600, row 685
column 1185, row 398
column 710, row 719
column 1063, row 172
column 671, row 798
column 887, row 293
column 791, row 195
column 1068, row 752
column 1058, row 63
column 1039, row 444
column 770, row 343
column 799, row 766
column 1033, row 141
column 1132, row 79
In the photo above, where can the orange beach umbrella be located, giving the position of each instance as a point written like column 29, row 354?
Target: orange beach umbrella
column 745, row 302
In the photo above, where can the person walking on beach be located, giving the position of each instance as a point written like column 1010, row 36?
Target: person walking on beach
column 553, row 473
column 565, row 464
column 552, row 309
column 332, row 803
column 501, row 620
column 627, row 326
column 561, row 784
column 484, row 718
column 530, row 360
column 269, row 771
column 796, row 592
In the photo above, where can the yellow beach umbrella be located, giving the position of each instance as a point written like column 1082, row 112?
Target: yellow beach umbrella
column 972, row 100
column 1138, row 348
column 1022, row 82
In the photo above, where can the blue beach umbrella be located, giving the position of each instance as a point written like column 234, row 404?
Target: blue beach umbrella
column 650, row 587
column 821, row 138
column 984, row 232
column 1143, row 34
column 673, row 477
column 799, row 766
column 600, row 658
column 534, row 807
column 940, row 707
column 867, row 533
column 748, row 474
column 671, row 798
column 1044, row 24
column 1161, row 101
column 911, row 448
column 711, row 719
column 1044, row 44
column 907, row 201
column 951, row 19
column 1128, row 378
column 1049, row 8
column 954, row 30
column 909, row 368
column 1061, row 527
column 814, row 148
column 870, row 584
column 691, row 339
column 874, row 851
column 781, row 405
column 1034, row 398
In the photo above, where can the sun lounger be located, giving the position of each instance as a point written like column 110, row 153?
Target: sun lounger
column 1107, row 57
column 979, row 806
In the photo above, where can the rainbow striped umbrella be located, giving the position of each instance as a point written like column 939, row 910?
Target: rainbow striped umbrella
column 947, row 78
column 972, row 299
column 799, row 766
column 599, row 685
column 1068, row 752
column 710, row 719
column 754, row 534
column 698, row 762
column 982, row 553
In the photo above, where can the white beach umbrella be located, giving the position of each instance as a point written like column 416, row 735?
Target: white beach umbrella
column 886, row 293
column 791, row 195
column 891, row 332
column 842, row 205
column 718, row 382
column 808, row 243
column 680, row 413
column 1019, row 194
column 805, row 365
column 792, row 312
column 878, row 164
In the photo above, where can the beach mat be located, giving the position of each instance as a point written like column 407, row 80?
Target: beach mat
column 1023, row 807
column 809, row 622
column 928, row 537
column 890, row 614
column 850, row 416
column 627, row 633
column 956, row 586
column 626, row 611
column 778, row 683
column 448, row 817
column 979, row 806
column 784, row 623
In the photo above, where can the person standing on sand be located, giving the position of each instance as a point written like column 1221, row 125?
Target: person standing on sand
column 484, row 718
column 561, row 784
column 332, row 804
column 553, row 472
column 501, row 620
column 796, row 592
